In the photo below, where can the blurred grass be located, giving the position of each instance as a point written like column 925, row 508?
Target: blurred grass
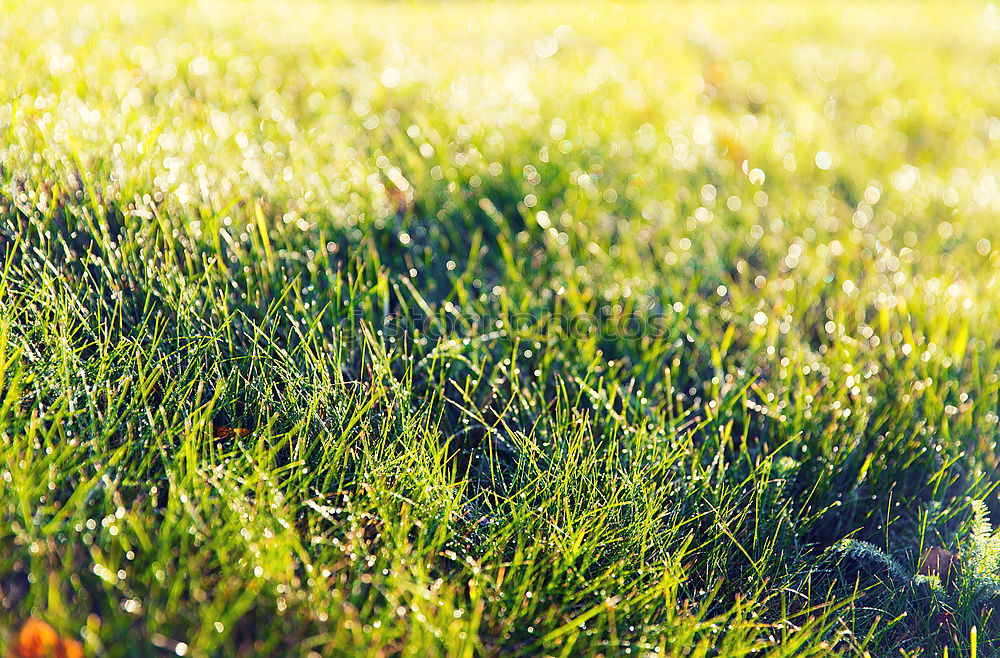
column 562, row 329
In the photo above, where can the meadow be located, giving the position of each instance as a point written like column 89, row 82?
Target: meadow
column 476, row 329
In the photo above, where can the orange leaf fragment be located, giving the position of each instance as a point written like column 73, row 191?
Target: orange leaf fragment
column 39, row 640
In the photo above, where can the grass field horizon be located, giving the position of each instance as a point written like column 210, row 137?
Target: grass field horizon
column 474, row 329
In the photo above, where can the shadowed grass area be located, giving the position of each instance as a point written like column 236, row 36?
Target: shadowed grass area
column 480, row 329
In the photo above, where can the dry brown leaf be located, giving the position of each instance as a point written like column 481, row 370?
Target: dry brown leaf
column 225, row 432
column 940, row 562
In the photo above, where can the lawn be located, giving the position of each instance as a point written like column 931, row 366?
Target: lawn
column 475, row 329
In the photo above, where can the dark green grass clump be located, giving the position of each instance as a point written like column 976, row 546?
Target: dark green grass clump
column 474, row 330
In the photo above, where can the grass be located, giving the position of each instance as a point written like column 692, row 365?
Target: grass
column 478, row 329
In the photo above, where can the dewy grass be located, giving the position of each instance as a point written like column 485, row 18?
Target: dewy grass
column 481, row 329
